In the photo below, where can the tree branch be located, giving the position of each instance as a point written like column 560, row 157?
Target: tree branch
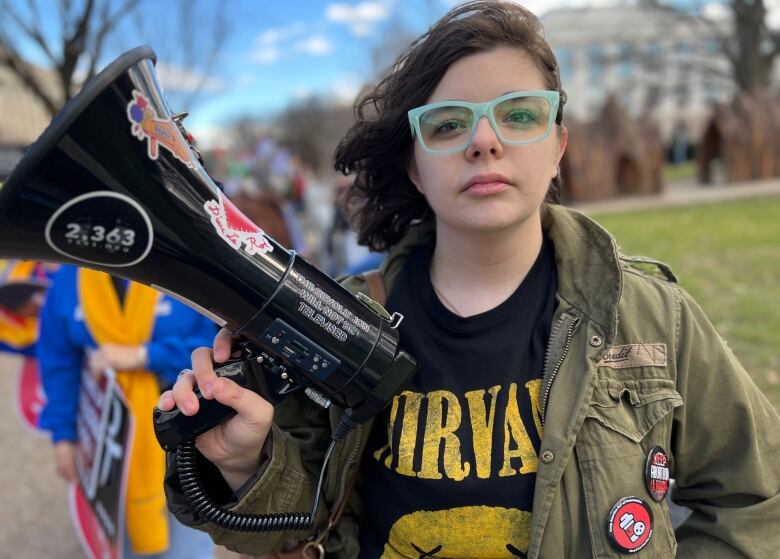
column 30, row 29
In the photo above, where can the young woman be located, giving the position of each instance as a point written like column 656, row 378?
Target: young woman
column 559, row 387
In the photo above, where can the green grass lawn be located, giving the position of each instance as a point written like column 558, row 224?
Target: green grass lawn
column 727, row 256
column 680, row 172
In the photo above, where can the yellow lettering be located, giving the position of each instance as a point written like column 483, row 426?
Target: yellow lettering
column 439, row 427
column 482, row 428
column 533, row 387
column 408, row 439
column 514, row 431
column 390, row 426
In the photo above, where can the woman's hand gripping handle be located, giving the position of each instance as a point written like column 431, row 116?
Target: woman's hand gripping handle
column 232, row 422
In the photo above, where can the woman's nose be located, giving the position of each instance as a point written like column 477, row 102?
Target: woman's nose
column 484, row 141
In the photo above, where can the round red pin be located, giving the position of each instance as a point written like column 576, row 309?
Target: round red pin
column 630, row 524
column 657, row 473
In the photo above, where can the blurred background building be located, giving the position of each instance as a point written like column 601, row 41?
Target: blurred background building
column 24, row 117
column 652, row 60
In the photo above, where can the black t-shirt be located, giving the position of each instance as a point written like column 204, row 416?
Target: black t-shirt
column 450, row 466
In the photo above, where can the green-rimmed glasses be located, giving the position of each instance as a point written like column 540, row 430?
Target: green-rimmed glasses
column 518, row 118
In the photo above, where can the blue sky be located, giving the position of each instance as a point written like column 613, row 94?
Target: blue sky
column 280, row 51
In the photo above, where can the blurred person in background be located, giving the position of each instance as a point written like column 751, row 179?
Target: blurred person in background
column 23, row 286
column 347, row 255
column 263, row 201
column 94, row 320
column 561, row 383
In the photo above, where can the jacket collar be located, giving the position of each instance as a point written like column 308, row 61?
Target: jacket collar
column 586, row 258
column 588, row 266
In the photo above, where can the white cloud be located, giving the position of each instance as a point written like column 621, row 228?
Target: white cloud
column 316, row 45
column 276, row 35
column 273, row 44
column 361, row 29
column 176, row 78
column 360, row 18
column 265, row 55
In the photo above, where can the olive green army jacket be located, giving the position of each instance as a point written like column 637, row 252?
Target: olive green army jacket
column 632, row 363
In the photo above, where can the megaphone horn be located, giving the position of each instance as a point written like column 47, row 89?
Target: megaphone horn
column 113, row 184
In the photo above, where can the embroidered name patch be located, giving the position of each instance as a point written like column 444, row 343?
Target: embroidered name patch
column 635, row 355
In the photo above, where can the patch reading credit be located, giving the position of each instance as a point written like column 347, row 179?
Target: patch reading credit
column 635, row 355
column 326, row 312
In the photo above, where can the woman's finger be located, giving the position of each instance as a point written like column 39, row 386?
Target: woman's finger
column 253, row 408
column 183, row 393
column 166, row 403
column 203, row 367
column 223, row 345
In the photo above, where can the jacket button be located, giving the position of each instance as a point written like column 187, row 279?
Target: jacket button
column 596, row 341
column 547, row 456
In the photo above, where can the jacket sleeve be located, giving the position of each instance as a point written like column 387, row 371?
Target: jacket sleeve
column 168, row 355
column 726, row 449
column 299, row 437
column 60, row 361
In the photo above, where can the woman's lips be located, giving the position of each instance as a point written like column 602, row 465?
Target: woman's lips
column 486, row 188
column 485, row 185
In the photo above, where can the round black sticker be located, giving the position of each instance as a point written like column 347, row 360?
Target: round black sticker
column 104, row 228
column 657, row 473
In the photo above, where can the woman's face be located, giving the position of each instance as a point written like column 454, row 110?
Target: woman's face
column 488, row 187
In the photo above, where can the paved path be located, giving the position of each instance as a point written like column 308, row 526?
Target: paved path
column 685, row 194
column 34, row 520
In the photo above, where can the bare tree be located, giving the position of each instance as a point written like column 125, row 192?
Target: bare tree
column 754, row 47
column 747, row 41
column 312, row 128
column 85, row 29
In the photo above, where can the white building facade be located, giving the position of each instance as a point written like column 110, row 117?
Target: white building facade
column 653, row 61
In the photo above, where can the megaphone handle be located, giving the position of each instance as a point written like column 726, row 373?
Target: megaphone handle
column 172, row 428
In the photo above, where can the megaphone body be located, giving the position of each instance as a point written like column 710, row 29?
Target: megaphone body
column 114, row 184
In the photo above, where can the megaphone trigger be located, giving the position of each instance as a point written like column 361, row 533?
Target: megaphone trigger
column 172, row 428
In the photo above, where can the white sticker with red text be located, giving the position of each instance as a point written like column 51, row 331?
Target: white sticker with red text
column 235, row 228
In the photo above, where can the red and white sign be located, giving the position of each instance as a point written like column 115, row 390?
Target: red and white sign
column 97, row 502
column 30, row 398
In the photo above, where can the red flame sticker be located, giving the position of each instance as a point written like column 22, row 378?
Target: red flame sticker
column 236, row 228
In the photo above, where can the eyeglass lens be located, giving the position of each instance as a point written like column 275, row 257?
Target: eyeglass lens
column 519, row 119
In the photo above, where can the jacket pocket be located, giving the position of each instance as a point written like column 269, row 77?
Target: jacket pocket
column 625, row 420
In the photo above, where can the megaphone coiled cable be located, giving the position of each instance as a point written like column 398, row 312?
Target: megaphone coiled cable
column 207, row 509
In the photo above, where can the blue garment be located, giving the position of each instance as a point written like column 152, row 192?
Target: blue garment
column 185, row 543
column 27, row 351
column 64, row 337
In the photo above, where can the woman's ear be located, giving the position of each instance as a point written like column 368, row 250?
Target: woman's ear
column 414, row 175
column 563, row 140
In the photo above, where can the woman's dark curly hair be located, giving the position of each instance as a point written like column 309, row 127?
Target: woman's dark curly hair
column 382, row 201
